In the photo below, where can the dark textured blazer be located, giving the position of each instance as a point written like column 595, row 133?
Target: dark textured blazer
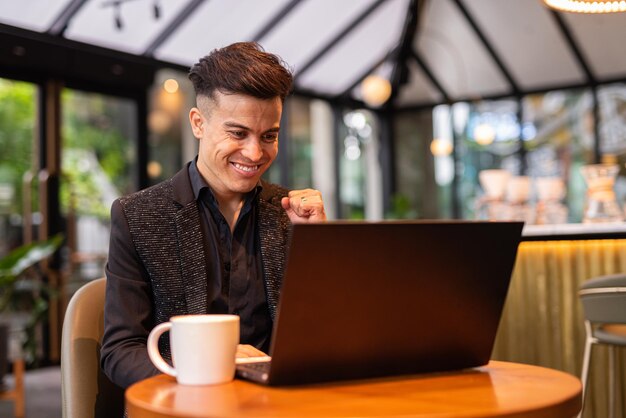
column 156, row 268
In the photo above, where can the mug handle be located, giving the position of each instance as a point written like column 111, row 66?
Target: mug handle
column 153, row 348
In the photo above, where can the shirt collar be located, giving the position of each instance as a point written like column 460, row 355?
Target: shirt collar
column 198, row 185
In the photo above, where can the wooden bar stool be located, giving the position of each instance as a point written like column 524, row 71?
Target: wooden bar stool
column 604, row 305
column 16, row 393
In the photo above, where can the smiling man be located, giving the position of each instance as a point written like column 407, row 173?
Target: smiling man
column 213, row 238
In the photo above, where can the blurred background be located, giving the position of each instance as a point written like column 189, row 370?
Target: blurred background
column 399, row 106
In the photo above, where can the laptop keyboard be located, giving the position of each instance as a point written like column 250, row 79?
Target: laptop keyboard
column 262, row 366
column 258, row 372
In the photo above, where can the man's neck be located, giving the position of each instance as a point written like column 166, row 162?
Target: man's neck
column 230, row 206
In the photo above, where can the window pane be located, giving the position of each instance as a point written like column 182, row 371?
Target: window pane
column 360, row 193
column 612, row 101
column 416, row 184
column 559, row 140
column 171, row 98
column 99, row 164
column 487, row 135
column 300, row 147
column 17, row 122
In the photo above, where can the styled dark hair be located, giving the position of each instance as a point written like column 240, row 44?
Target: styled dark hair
column 242, row 68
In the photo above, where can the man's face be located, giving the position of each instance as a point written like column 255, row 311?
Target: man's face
column 238, row 137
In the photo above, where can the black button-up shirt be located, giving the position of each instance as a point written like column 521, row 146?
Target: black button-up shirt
column 233, row 263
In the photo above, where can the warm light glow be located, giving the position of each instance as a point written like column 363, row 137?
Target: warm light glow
column 484, row 134
column 376, row 90
column 170, row 85
column 154, row 169
column 440, row 147
column 587, row 6
column 159, row 121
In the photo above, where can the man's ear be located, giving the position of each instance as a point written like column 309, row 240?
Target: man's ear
column 196, row 120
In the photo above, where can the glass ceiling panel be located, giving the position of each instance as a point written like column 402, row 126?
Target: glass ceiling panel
column 601, row 39
column 419, row 89
column 37, row 15
column 515, row 29
column 217, row 23
column 361, row 49
column 455, row 55
column 95, row 23
column 312, row 24
column 385, row 70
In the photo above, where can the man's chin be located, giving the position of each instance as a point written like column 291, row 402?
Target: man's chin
column 244, row 186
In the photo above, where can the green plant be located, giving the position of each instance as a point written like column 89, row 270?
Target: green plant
column 15, row 296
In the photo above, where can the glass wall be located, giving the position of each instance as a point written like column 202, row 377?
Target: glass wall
column 612, row 130
column 170, row 142
column 559, row 140
column 360, row 171
column 478, row 160
column 18, row 198
column 420, row 194
column 300, row 148
column 99, row 164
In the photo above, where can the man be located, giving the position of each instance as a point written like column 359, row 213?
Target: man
column 212, row 239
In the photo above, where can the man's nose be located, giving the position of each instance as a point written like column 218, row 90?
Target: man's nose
column 253, row 150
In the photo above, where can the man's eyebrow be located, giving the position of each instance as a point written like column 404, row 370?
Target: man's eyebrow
column 236, row 125
column 245, row 128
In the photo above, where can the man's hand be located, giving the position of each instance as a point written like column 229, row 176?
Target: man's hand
column 303, row 206
column 248, row 354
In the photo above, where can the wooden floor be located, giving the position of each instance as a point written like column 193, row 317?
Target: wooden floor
column 43, row 394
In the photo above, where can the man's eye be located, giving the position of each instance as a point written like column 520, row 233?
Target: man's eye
column 238, row 134
column 270, row 137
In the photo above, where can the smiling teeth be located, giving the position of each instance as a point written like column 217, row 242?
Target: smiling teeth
column 246, row 167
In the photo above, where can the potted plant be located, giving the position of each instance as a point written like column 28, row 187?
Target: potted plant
column 15, row 267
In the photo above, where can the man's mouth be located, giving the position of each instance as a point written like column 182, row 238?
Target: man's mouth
column 246, row 168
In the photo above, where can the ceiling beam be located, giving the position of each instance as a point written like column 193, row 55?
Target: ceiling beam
column 492, row 52
column 276, row 19
column 333, row 42
column 346, row 101
column 172, row 27
column 573, row 45
column 400, row 73
column 577, row 86
column 431, row 76
column 58, row 27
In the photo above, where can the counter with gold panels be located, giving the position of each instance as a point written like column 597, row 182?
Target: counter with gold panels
column 543, row 318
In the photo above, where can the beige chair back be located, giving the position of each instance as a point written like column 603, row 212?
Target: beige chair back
column 86, row 391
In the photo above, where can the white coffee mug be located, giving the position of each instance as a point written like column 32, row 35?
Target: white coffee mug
column 203, row 348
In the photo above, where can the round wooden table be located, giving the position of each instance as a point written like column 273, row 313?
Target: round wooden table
column 499, row 389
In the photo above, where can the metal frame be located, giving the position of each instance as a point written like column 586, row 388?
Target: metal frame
column 333, row 42
column 515, row 90
column 171, row 28
column 591, row 79
column 275, row 21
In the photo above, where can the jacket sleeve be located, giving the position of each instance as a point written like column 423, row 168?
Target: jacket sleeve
column 128, row 308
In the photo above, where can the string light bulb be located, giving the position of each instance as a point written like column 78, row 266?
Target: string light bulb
column 376, row 90
column 440, row 147
column 587, row 6
column 170, row 85
column 484, row 134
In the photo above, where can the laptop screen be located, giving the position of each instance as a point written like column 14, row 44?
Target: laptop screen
column 367, row 299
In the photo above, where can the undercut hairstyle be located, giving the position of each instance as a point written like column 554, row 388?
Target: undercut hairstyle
column 242, row 68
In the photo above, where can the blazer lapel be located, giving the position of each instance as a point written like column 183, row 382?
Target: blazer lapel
column 273, row 240
column 190, row 244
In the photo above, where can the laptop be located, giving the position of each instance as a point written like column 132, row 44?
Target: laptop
column 373, row 299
